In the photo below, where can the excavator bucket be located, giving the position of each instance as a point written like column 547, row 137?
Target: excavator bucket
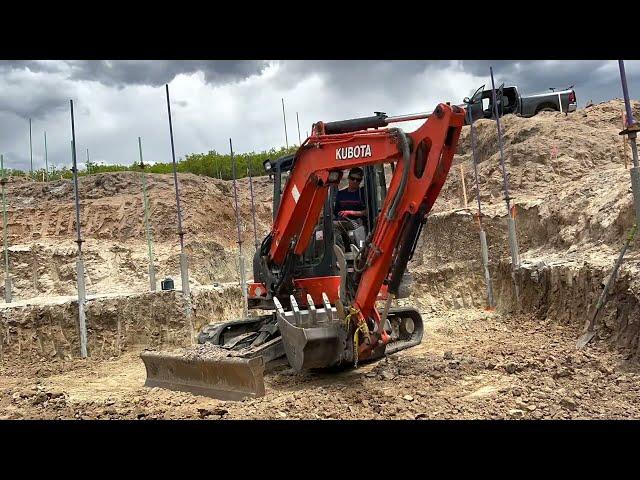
column 312, row 338
column 312, row 347
column 224, row 378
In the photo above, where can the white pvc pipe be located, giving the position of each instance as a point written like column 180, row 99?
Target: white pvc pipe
column 560, row 102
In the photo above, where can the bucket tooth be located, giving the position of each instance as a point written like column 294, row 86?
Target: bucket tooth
column 312, row 309
column 278, row 305
column 327, row 306
column 295, row 310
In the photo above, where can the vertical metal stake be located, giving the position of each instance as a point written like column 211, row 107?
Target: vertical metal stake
column 243, row 283
column 483, row 236
column 79, row 262
column 631, row 130
column 513, row 241
column 184, row 270
column 145, row 202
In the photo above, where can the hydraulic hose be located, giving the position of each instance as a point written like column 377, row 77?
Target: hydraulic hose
column 404, row 147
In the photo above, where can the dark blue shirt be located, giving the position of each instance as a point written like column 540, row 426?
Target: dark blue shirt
column 346, row 200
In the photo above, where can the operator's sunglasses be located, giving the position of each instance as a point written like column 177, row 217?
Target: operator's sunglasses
column 356, row 179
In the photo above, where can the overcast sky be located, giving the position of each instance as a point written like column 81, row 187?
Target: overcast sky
column 117, row 101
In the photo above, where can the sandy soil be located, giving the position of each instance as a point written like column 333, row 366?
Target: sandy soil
column 471, row 365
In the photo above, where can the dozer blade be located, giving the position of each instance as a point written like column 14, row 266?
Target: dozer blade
column 224, row 378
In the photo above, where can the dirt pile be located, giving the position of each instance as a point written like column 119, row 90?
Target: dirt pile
column 41, row 228
column 111, row 208
column 573, row 209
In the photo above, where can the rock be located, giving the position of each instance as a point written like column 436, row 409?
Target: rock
column 511, row 367
column 489, row 365
column 568, row 403
column 40, row 397
column 517, row 392
column 531, row 408
column 28, row 392
column 605, row 369
column 206, row 412
column 387, row 375
column 282, row 414
column 448, row 355
column 55, row 393
column 515, row 413
column 563, row 372
column 408, row 398
column 421, row 416
column 371, row 374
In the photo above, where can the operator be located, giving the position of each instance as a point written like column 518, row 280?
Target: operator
column 349, row 210
column 350, row 201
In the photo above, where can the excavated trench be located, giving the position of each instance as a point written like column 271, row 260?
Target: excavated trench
column 556, row 281
column 115, row 324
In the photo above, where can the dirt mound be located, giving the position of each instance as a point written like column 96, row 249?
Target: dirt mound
column 569, row 168
column 111, row 208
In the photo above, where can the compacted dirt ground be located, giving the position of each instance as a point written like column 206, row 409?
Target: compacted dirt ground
column 471, row 364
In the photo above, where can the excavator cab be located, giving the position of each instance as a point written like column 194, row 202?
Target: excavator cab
column 319, row 259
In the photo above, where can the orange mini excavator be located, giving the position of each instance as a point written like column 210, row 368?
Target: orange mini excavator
column 319, row 280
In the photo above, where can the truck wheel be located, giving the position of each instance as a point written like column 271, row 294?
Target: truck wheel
column 546, row 107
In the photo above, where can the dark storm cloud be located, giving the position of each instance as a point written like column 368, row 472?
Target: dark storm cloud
column 33, row 65
column 354, row 75
column 33, row 98
column 158, row 72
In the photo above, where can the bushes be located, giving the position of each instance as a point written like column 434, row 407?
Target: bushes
column 212, row 164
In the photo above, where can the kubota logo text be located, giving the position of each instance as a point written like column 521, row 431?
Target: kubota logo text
column 359, row 151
